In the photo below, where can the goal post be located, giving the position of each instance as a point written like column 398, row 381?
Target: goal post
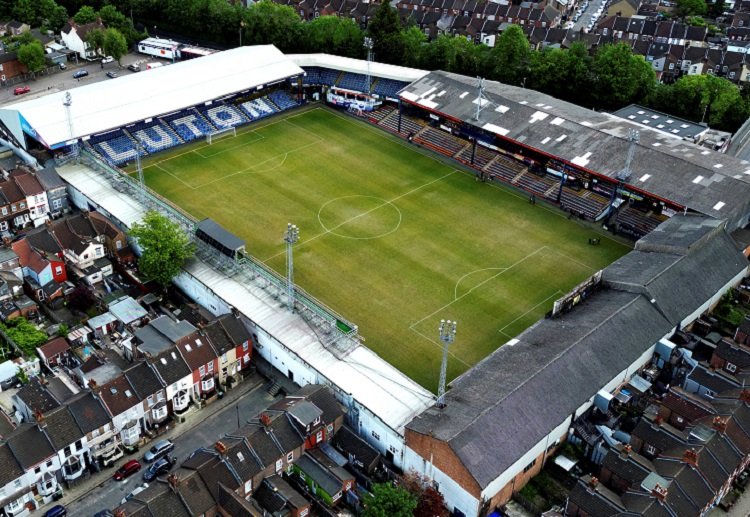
column 214, row 135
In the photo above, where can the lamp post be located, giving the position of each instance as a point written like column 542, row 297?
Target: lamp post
column 290, row 237
column 447, row 335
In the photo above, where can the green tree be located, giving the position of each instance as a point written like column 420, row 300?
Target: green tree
column 620, row 77
column 267, row 22
column 32, row 55
column 510, row 56
column 691, row 8
column 165, row 247
column 95, row 39
column 25, row 11
column 452, row 54
column 25, row 335
column 85, row 14
column 565, row 74
column 111, row 17
column 53, row 15
column 716, row 9
column 334, row 34
column 115, row 44
column 415, row 43
column 388, row 500
column 386, row 32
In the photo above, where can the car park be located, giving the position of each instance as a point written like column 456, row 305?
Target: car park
column 20, row 90
column 159, row 449
column 128, row 469
column 158, row 468
column 80, row 73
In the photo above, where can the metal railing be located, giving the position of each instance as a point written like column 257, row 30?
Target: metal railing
column 329, row 325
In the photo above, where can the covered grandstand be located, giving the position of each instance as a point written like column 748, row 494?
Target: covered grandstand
column 105, row 106
column 667, row 174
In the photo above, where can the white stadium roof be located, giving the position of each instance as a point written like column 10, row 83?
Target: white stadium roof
column 106, row 105
column 358, row 66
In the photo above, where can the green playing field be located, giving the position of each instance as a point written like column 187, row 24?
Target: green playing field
column 391, row 237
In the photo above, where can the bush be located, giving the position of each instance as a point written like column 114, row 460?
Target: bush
column 25, row 335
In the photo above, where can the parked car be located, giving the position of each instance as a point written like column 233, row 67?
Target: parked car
column 107, row 59
column 137, row 490
column 127, row 470
column 63, row 66
column 79, row 74
column 134, row 68
column 104, row 513
column 111, row 75
column 56, row 511
column 20, row 90
column 159, row 449
column 158, row 468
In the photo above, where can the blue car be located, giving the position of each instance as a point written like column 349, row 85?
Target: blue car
column 79, row 74
column 56, row 511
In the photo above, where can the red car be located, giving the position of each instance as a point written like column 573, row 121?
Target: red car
column 128, row 469
column 21, row 90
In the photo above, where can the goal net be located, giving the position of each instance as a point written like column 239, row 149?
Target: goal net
column 215, row 135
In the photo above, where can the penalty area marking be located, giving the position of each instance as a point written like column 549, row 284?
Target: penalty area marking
column 480, row 284
column 384, row 203
column 502, row 330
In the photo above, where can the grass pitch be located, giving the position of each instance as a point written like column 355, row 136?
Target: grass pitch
column 390, row 236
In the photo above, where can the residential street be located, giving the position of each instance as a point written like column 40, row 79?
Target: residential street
column 205, row 431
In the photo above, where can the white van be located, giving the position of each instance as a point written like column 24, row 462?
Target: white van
column 153, row 65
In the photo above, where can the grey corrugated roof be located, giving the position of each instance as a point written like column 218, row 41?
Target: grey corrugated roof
column 566, row 360
column 669, row 167
column 319, row 474
column 304, row 411
column 218, row 233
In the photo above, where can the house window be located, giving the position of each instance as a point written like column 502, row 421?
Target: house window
column 605, row 31
column 160, row 412
column 671, row 66
column 530, row 465
column 731, row 367
column 393, row 449
column 329, row 429
column 208, row 384
column 375, row 435
column 210, row 367
column 279, row 465
column 202, row 371
column 57, row 204
column 67, row 451
column 150, row 400
column 22, row 204
column 4, row 226
column 160, row 396
column 290, row 457
column 650, row 449
column 58, row 270
column 118, row 244
column 49, row 464
column 319, row 436
column 245, row 346
column 224, row 359
column 731, row 75
column 94, row 433
column 5, row 210
column 98, row 252
column 248, row 486
column 38, row 470
column 680, row 419
column 13, row 208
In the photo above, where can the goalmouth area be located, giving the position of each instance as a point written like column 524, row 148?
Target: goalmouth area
column 392, row 237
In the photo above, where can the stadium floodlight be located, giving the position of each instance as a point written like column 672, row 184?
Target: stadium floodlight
column 447, row 335
column 290, row 237
column 369, row 44
column 68, row 103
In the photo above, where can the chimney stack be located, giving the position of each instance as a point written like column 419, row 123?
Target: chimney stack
column 660, row 493
column 720, row 424
column 173, row 482
column 593, row 482
column 626, row 450
column 690, row 456
column 745, row 396
column 220, row 448
column 265, row 419
column 39, row 416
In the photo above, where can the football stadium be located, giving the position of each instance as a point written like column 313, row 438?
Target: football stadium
column 554, row 235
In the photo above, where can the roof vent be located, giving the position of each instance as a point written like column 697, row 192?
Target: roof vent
column 113, row 390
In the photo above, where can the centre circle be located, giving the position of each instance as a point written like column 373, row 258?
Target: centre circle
column 359, row 217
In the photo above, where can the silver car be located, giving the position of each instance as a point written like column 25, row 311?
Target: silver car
column 159, row 449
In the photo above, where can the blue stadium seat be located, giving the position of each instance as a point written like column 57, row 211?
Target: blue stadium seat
column 312, row 75
column 283, row 100
column 258, row 108
column 154, row 136
column 223, row 116
column 355, row 82
column 189, row 124
column 388, row 87
column 328, row 77
column 117, row 148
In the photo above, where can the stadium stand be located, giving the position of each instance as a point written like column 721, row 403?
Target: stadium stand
column 379, row 113
column 408, row 125
column 189, row 124
column 116, row 147
column 223, row 116
column 584, row 202
column 283, row 100
column 440, row 141
column 312, row 76
column 258, row 108
column 329, row 77
column 388, row 87
column 354, row 82
column 637, row 221
column 482, row 156
column 155, row 136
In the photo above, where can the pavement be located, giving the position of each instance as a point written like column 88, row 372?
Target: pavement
column 741, row 508
column 202, row 427
column 61, row 80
